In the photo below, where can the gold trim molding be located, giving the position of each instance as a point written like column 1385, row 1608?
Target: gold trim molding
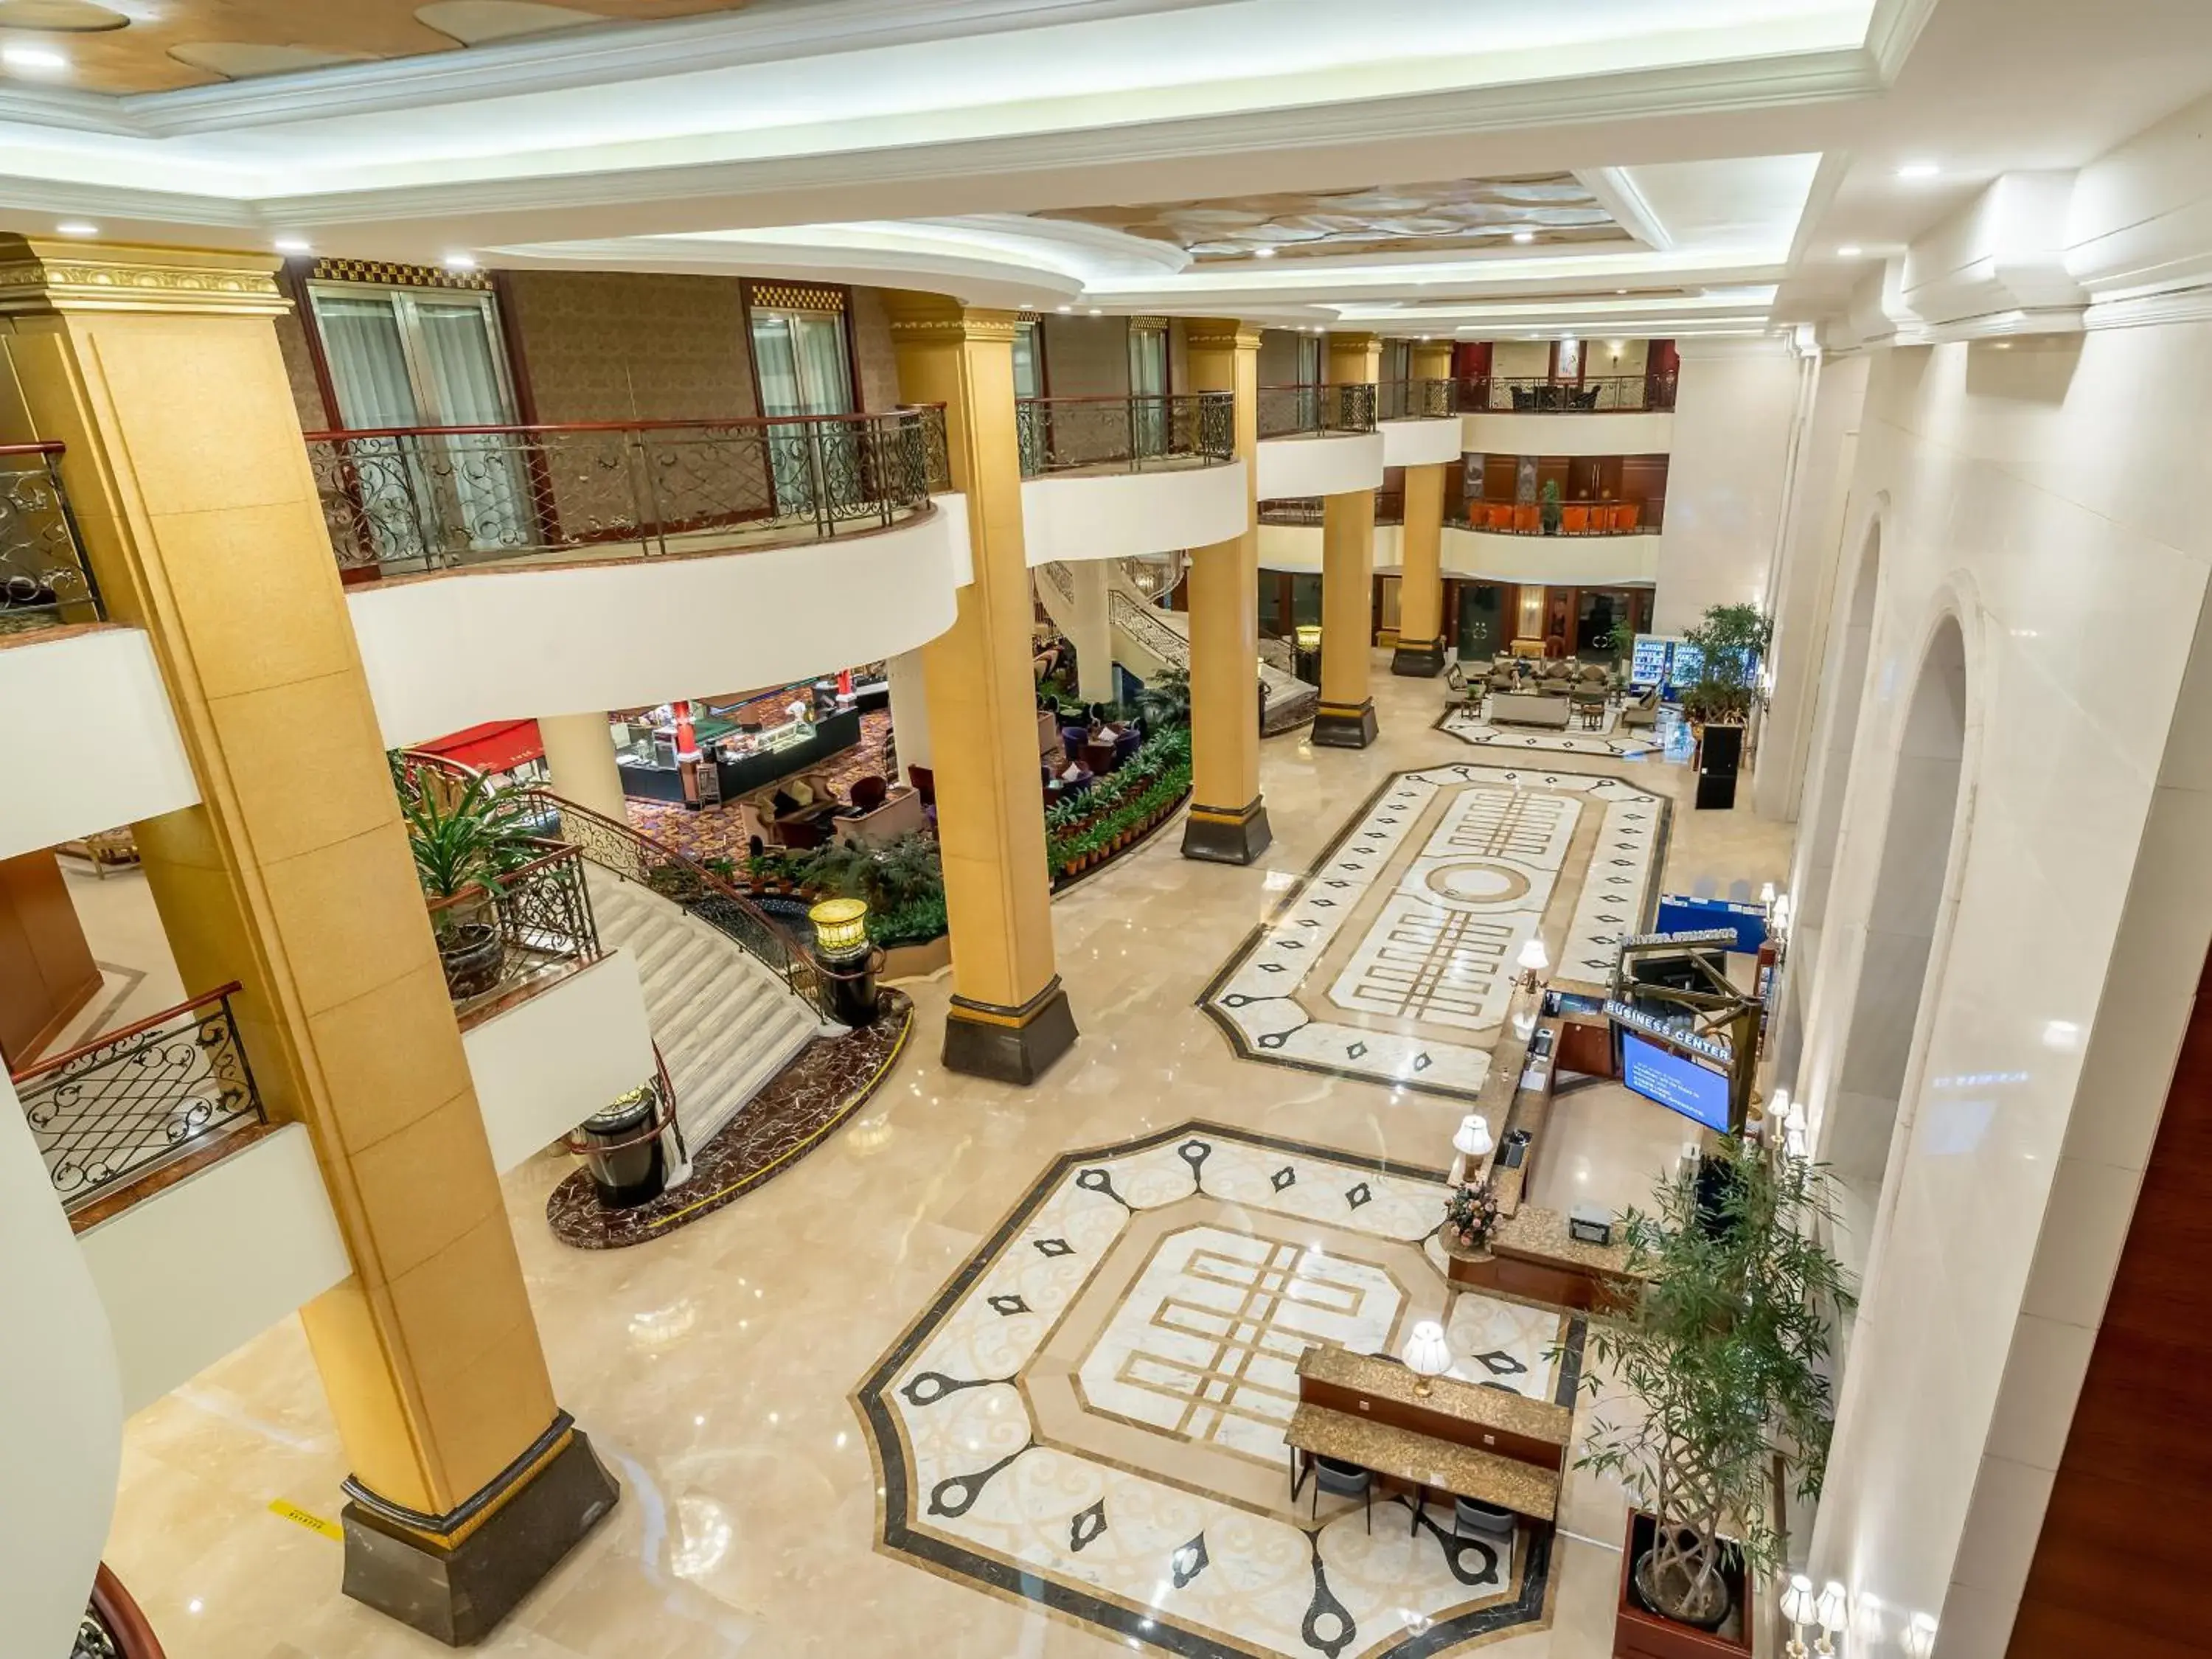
column 385, row 274
column 44, row 278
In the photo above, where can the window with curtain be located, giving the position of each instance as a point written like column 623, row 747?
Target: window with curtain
column 1148, row 386
column 429, row 358
column 1028, row 359
column 1310, row 352
column 804, row 370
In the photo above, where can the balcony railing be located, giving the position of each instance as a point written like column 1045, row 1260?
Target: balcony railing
column 126, row 1103
column 1610, row 394
column 1390, row 509
column 1292, row 411
column 1125, row 434
column 535, row 924
column 1413, row 400
column 1566, row 518
column 409, row 499
column 43, row 578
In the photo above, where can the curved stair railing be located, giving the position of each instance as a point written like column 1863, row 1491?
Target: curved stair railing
column 621, row 851
column 112, row 1626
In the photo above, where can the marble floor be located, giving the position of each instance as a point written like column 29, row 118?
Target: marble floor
column 722, row 1372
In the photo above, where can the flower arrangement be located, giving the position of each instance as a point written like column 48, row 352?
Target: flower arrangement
column 1471, row 1213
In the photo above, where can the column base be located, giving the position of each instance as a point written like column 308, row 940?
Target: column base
column 1344, row 725
column 455, row 1576
column 1232, row 835
column 1418, row 661
column 1009, row 1045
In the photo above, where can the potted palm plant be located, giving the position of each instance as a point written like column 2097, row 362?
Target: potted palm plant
column 465, row 838
column 1554, row 512
column 1723, row 1345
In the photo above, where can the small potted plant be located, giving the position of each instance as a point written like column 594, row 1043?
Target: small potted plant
column 1471, row 1215
column 1553, row 509
column 1724, row 1346
column 464, row 837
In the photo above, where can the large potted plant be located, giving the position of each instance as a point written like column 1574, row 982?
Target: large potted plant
column 1723, row 1345
column 465, row 838
column 1731, row 642
column 1554, row 510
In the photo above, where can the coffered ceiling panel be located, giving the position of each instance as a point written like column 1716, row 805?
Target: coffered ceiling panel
column 136, row 45
column 1549, row 207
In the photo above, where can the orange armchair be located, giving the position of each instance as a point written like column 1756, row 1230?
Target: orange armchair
column 1576, row 520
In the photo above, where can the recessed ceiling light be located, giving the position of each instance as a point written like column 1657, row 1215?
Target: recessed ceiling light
column 1524, row 236
column 77, row 227
column 1097, row 311
column 292, row 244
column 460, row 262
column 1263, row 253
column 1919, row 170
column 1620, row 294
column 1066, row 309
column 33, row 59
column 1849, row 251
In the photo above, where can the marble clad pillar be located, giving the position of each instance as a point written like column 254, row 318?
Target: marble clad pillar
column 580, row 753
column 1346, row 716
column 1228, row 820
column 1010, row 1019
column 1421, row 650
column 159, row 368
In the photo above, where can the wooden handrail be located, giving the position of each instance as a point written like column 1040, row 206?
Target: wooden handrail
column 49, row 447
column 1126, row 397
column 39, row 1068
column 113, row 1607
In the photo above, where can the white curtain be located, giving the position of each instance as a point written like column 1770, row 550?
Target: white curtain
column 388, row 486
column 801, row 358
column 1148, row 383
column 462, row 364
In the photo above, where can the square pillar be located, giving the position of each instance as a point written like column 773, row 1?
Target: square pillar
column 1345, row 719
column 1228, row 821
column 159, row 368
column 1420, row 577
column 1010, row 1019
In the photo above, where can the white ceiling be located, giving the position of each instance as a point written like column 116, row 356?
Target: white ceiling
column 898, row 140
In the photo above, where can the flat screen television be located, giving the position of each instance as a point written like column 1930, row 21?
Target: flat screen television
column 1677, row 1082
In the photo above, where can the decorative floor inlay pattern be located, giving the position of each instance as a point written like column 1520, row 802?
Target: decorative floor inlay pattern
column 1394, row 957
column 1611, row 739
column 825, row 1083
column 1089, row 1416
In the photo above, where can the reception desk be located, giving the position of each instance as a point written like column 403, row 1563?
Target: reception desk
column 829, row 737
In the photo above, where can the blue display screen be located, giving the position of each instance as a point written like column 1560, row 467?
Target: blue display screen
column 1675, row 1081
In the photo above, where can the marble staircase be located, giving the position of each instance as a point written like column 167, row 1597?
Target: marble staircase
column 724, row 1022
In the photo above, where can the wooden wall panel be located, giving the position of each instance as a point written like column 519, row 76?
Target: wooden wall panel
column 46, row 971
column 2120, row 1567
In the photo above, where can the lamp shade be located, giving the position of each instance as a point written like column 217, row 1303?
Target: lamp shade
column 1798, row 1602
column 1473, row 1136
column 1427, row 1353
column 1767, row 893
column 1533, row 957
column 1918, row 1636
column 1830, row 1609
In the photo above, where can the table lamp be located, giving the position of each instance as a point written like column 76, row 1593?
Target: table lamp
column 1829, row 1611
column 1473, row 1139
column 1799, row 1606
column 1532, row 961
column 1918, row 1637
column 1427, row 1354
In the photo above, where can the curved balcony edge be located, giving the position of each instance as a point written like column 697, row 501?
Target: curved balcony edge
column 121, row 757
column 1416, row 442
column 1121, row 515
column 457, row 648
column 1321, row 464
column 1628, row 433
column 1554, row 560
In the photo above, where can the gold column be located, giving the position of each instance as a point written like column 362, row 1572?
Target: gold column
column 1228, row 821
column 1420, row 578
column 580, row 753
column 159, row 369
column 1346, row 716
column 1009, row 1018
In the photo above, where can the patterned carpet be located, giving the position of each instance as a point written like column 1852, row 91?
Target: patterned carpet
column 718, row 832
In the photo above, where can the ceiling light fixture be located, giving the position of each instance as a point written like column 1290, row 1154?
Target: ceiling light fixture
column 292, row 244
column 77, row 227
column 1263, row 253
column 1064, row 310
column 1620, row 294
column 460, row 262
column 1919, row 170
column 1524, row 237
column 1849, row 251
column 33, row 59
column 1096, row 310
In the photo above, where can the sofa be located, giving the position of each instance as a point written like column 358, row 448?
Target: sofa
column 1643, row 712
column 882, row 815
column 1548, row 708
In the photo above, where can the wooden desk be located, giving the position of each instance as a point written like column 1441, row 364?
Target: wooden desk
column 1532, row 1255
column 1489, row 1444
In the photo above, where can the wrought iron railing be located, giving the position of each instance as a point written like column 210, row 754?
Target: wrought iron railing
column 1128, row 435
column 126, row 1104
column 1609, row 394
column 1566, row 518
column 542, row 917
column 1413, row 400
column 44, row 577
column 936, row 451
column 1389, row 508
column 112, row 1626
column 405, row 499
column 1291, row 411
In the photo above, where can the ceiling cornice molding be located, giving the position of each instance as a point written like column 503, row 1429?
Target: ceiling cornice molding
column 559, row 62
column 2190, row 304
column 1892, row 32
column 1617, row 192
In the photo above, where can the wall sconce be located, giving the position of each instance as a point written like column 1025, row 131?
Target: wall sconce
column 1532, row 963
column 1918, row 1638
column 1799, row 1606
column 1829, row 1611
column 1427, row 1354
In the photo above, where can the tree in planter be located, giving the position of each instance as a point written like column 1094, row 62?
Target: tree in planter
column 1731, row 643
column 1724, row 1344
column 1552, row 513
column 1620, row 640
column 465, row 838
